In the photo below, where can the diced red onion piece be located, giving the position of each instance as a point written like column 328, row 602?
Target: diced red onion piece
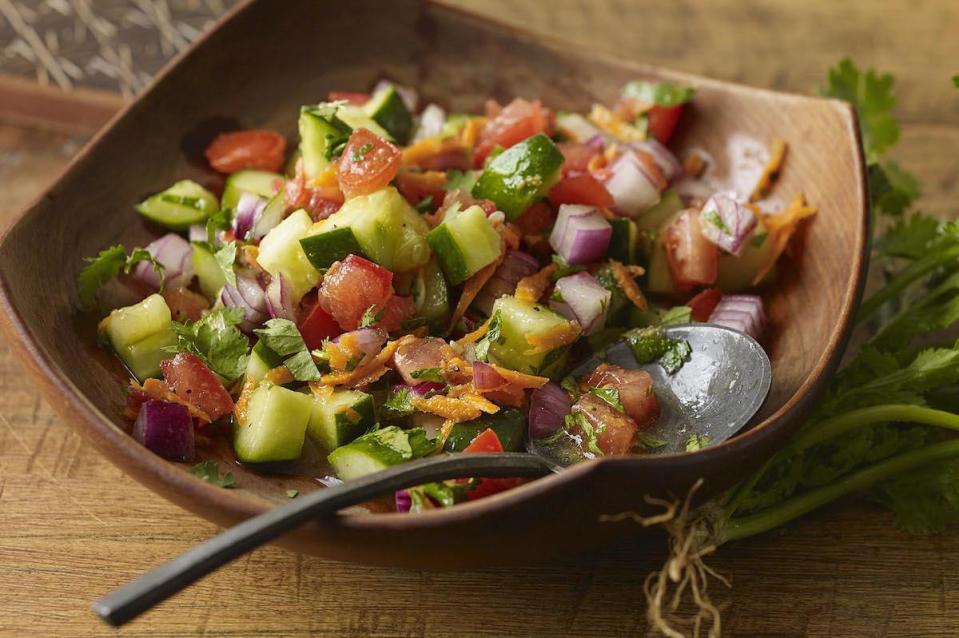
column 516, row 265
column 279, row 299
column 403, row 500
column 726, row 222
column 548, row 406
column 431, row 123
column 585, row 298
column 631, row 188
column 581, row 234
column 369, row 340
column 485, row 376
column 166, row 429
column 176, row 255
column 741, row 312
column 407, row 94
column 596, row 142
column 248, row 211
column 663, row 156
column 249, row 296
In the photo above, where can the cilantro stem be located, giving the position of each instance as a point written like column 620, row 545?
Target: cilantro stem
column 841, row 424
column 737, row 529
column 901, row 281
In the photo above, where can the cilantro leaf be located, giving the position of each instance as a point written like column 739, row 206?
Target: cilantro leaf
column 398, row 404
column 891, row 189
column 460, row 180
column 370, row 316
column 647, row 441
column 696, row 442
column 926, row 502
column 225, row 257
column 108, row 264
column 574, row 419
column 651, row 344
column 871, row 95
column 284, row 338
column 424, row 205
column 428, row 374
column 209, row 471
column 955, row 81
column 215, row 339
column 563, row 268
column 909, row 238
column 660, row 94
column 220, row 220
column 610, row 395
column 493, row 334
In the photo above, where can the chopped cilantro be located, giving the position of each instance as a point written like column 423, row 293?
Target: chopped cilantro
column 282, row 337
column 569, row 384
column 370, row 316
column 459, row 180
column 696, row 442
column 564, row 269
column 225, row 257
column 360, row 153
column 398, row 404
column 574, row 419
column 610, row 395
column 425, row 204
column 660, row 94
column 649, row 442
column 493, row 334
column 428, row 374
column 209, row 471
column 215, row 339
column 292, row 493
column 651, row 344
column 107, row 265
column 712, row 216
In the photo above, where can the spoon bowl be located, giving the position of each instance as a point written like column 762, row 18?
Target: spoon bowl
column 458, row 60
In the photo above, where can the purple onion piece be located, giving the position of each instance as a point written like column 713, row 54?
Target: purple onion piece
column 516, row 265
column 431, row 122
column 548, row 406
column 726, row 222
column 741, row 312
column 403, row 500
column 597, row 142
column 633, row 191
column 175, row 253
column 485, row 376
column 586, row 299
column 279, row 299
column 369, row 340
column 664, row 157
column 584, row 239
column 166, row 429
column 249, row 208
column 249, row 296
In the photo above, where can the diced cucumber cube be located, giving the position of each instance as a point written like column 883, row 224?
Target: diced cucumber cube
column 261, row 361
column 143, row 357
column 388, row 110
column 321, row 133
column 325, row 248
column 657, row 216
column 465, row 243
column 431, row 294
column 274, row 425
column 281, row 253
column 256, row 182
column 371, row 452
column 520, row 175
column 180, row 206
column 518, row 321
column 340, row 417
column 739, row 273
column 356, row 118
column 509, row 425
column 126, row 326
column 623, row 242
column 208, row 272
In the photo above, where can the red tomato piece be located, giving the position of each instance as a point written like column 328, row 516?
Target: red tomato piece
column 185, row 304
column 356, row 99
column 576, row 156
column 536, row 219
column 703, row 304
column 395, row 312
column 485, row 442
column 368, row 164
column 251, row 149
column 614, row 431
column 416, row 186
column 635, row 389
column 517, row 121
column 192, row 381
column 317, row 326
column 663, row 121
column 580, row 188
column 693, row 259
column 351, row 286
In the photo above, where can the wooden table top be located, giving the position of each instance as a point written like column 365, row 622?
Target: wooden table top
column 72, row 526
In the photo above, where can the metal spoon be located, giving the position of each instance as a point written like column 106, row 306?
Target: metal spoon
column 713, row 395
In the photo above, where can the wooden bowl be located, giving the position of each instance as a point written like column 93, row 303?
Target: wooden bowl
column 266, row 59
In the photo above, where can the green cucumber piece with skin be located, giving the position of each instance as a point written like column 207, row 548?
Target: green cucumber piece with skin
column 355, row 117
column 623, row 243
column 259, row 183
column 658, row 278
column 274, row 425
column 126, row 326
column 372, row 452
column 657, row 216
column 465, row 243
column 520, row 175
column 208, row 272
column 509, row 425
column 738, row 273
column 323, row 249
column 143, row 357
column 431, row 294
column 387, row 229
column 388, row 110
column 339, row 418
column 180, row 206
column 518, row 321
column 322, row 132
column 262, row 360
column 281, row 253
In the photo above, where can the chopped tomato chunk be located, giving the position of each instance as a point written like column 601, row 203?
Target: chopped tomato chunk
column 352, row 286
column 663, row 121
column 576, row 156
column 703, row 304
column 580, row 188
column 317, row 326
column 485, row 442
column 185, row 304
column 252, row 149
column 368, row 163
column 693, row 259
column 613, row 431
column 416, row 186
column 517, row 121
column 192, row 381
column 536, row 219
column 395, row 312
column 635, row 389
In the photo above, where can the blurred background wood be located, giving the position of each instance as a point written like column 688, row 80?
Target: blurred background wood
column 72, row 526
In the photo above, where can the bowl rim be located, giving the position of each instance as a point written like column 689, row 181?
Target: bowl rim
column 229, row 506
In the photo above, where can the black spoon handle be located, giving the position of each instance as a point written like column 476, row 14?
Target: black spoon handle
column 128, row 602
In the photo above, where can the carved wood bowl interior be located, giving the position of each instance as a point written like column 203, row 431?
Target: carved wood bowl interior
column 263, row 61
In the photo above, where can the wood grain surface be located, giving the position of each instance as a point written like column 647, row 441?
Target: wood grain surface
column 72, row 526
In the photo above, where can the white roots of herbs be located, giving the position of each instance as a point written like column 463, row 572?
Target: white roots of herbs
column 685, row 576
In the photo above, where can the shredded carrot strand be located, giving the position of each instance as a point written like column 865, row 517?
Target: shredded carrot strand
column 455, row 410
column 481, row 403
column 520, row 379
column 629, row 286
column 472, row 288
column 279, row 375
column 770, row 172
column 470, row 133
column 781, row 227
column 473, row 337
column 611, row 123
column 532, row 287
column 369, row 371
